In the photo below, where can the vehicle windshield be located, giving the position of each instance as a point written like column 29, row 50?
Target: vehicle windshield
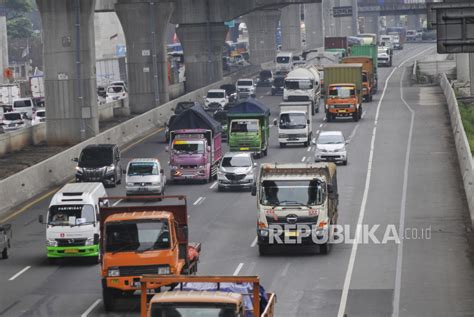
column 244, row 83
column 137, row 236
column 12, row 116
column 330, row 139
column 142, row 168
column 283, row 59
column 215, row 95
column 236, row 161
column 41, row 114
column 292, row 193
column 189, row 147
column 244, row 126
column 298, row 84
column 22, row 104
column 95, row 157
column 341, row 92
column 292, row 121
column 66, row 215
column 193, row 310
column 114, row 89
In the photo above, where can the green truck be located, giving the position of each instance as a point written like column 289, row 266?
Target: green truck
column 248, row 127
column 367, row 50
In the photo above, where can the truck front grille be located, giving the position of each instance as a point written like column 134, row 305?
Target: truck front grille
column 300, row 220
column 138, row 270
column 71, row 242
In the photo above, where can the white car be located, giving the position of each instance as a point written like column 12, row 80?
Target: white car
column 245, row 88
column 115, row 93
column 383, row 57
column 216, row 99
column 236, row 170
column 144, row 176
column 119, row 83
column 24, row 105
column 331, row 147
column 13, row 120
column 38, row 117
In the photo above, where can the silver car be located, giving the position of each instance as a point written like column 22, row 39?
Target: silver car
column 236, row 170
column 144, row 176
column 331, row 147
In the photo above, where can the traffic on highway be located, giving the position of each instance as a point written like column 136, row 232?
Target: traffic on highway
column 304, row 203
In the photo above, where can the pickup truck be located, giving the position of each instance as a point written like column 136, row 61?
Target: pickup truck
column 5, row 239
column 143, row 238
column 230, row 296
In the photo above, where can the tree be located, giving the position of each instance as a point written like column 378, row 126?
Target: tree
column 17, row 8
column 18, row 25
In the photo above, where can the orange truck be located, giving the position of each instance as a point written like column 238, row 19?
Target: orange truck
column 368, row 83
column 143, row 237
column 343, row 94
column 206, row 296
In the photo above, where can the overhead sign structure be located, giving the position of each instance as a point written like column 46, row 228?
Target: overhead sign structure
column 339, row 12
column 454, row 26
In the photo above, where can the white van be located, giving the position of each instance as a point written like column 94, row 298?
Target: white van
column 284, row 62
column 144, row 176
column 72, row 222
column 24, row 105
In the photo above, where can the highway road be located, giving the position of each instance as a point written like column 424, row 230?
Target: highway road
column 402, row 174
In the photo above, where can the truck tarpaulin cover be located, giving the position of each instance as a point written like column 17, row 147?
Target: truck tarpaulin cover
column 246, row 289
column 195, row 118
column 251, row 105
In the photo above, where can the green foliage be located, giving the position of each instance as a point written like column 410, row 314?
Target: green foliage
column 18, row 7
column 19, row 27
column 467, row 116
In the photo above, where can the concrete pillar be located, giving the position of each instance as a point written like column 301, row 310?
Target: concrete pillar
column 462, row 67
column 69, row 64
column 202, row 46
column 340, row 26
column 290, row 24
column 413, row 22
column 262, row 25
column 144, row 24
column 371, row 23
column 3, row 42
column 471, row 72
column 314, row 26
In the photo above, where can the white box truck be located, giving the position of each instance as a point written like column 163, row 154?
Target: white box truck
column 295, row 123
column 303, row 84
column 72, row 222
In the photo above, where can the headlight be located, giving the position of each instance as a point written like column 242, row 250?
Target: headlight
column 174, row 167
column 113, row 271
column 129, row 184
column 110, row 169
column 155, row 184
column 263, row 232
column 162, row 270
column 90, row 241
column 220, row 174
column 51, row 243
column 79, row 169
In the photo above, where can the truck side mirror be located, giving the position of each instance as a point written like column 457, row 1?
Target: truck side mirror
column 254, row 190
column 162, row 171
column 307, row 121
column 40, row 219
column 123, row 171
column 330, row 189
column 275, row 122
column 167, row 148
column 208, row 148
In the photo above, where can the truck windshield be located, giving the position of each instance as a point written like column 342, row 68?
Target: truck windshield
column 342, row 92
column 283, row 59
column 298, row 84
column 292, row 193
column 126, row 236
column 188, row 147
column 142, row 168
column 60, row 215
column 95, row 157
column 192, row 310
column 292, row 121
column 244, row 83
column 244, row 126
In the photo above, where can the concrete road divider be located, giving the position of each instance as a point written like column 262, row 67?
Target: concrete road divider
column 466, row 163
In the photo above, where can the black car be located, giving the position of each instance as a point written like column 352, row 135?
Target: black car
column 265, row 78
column 278, row 85
column 99, row 163
column 231, row 92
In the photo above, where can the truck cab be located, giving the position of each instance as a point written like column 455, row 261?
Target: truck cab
column 189, row 155
column 284, row 62
column 72, row 222
column 143, row 239
column 294, row 123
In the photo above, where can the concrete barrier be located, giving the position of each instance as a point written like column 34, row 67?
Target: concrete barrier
column 34, row 180
column 13, row 141
column 466, row 162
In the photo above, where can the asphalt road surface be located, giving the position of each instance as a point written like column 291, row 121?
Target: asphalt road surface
column 402, row 175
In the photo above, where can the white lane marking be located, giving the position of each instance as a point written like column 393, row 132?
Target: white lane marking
column 401, row 226
column 353, row 133
column 237, row 270
column 320, row 125
column 19, row 273
column 91, row 308
column 304, row 158
column 254, row 243
column 213, row 185
column 308, row 149
column 117, row 202
column 317, row 132
column 350, row 267
column 285, row 269
column 314, row 139
column 198, row 201
column 261, row 97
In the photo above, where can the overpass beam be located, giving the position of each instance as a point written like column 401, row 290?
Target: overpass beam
column 290, row 23
column 262, row 25
column 144, row 24
column 202, row 45
column 314, row 26
column 69, row 63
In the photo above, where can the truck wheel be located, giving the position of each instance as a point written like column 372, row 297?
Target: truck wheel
column 371, row 97
column 108, row 296
column 5, row 253
column 262, row 249
column 305, row 144
column 52, row 261
column 328, row 117
column 265, row 152
column 282, row 145
column 355, row 116
column 359, row 113
column 325, row 248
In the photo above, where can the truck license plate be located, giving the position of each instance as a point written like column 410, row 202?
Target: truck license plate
column 343, row 111
column 71, row 251
column 143, row 189
column 244, row 148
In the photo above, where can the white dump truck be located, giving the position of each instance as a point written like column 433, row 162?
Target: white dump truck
column 294, row 123
column 303, row 84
